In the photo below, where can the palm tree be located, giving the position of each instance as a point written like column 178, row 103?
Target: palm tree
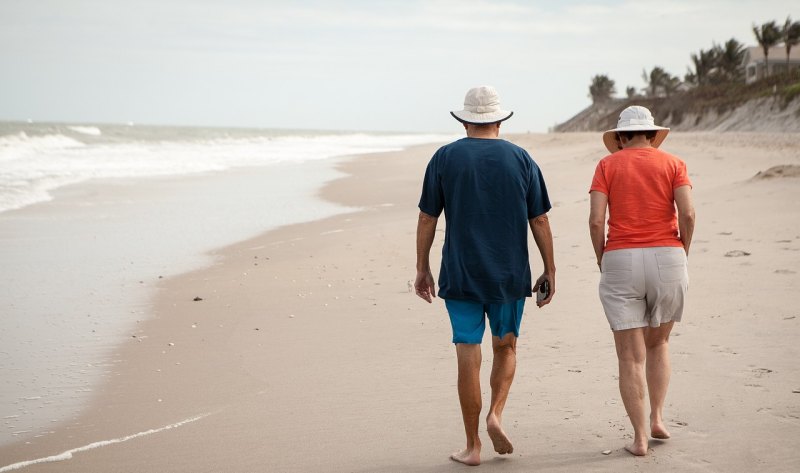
column 704, row 64
column 630, row 91
column 601, row 89
column 768, row 35
column 690, row 77
column 729, row 60
column 671, row 84
column 652, row 80
column 657, row 79
column 790, row 33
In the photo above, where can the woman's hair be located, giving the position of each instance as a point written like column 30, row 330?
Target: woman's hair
column 649, row 134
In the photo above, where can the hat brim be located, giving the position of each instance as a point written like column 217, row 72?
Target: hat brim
column 610, row 136
column 481, row 118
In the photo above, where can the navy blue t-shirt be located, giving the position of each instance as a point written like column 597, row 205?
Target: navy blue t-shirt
column 488, row 189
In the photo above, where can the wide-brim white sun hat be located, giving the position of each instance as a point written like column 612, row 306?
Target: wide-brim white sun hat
column 482, row 106
column 634, row 118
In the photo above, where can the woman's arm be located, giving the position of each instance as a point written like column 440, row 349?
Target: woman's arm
column 597, row 222
column 683, row 200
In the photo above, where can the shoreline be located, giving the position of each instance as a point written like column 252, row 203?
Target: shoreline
column 284, row 236
column 81, row 271
column 307, row 335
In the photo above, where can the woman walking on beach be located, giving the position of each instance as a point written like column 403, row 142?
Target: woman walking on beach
column 643, row 259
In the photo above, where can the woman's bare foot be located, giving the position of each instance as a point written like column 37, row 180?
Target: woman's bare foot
column 502, row 444
column 638, row 448
column 468, row 457
column 658, row 431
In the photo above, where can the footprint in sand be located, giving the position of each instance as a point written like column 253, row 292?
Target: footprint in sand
column 783, row 170
column 760, row 372
column 736, row 254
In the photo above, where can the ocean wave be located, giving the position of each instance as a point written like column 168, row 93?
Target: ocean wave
column 86, row 130
column 33, row 166
column 19, row 145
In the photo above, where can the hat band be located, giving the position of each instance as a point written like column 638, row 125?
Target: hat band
column 639, row 121
column 481, row 108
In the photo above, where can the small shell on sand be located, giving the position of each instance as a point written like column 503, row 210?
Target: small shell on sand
column 606, row 452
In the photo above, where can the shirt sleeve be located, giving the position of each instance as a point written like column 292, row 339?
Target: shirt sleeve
column 537, row 198
column 599, row 182
column 432, row 200
column 681, row 176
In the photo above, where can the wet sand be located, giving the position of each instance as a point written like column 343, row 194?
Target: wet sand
column 304, row 350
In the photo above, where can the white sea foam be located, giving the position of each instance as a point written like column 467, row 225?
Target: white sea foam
column 87, row 130
column 103, row 443
column 33, row 166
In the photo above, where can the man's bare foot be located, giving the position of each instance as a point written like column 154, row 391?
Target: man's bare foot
column 502, row 444
column 637, row 448
column 468, row 457
column 658, row 431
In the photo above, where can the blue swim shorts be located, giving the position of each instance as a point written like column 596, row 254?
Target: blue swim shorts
column 468, row 319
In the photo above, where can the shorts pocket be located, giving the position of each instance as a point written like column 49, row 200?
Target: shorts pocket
column 671, row 266
column 616, row 267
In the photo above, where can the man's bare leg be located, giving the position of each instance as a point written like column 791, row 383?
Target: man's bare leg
column 504, row 365
column 469, row 394
column 631, row 355
column 658, row 373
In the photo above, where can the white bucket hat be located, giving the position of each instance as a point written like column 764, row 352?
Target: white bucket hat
column 481, row 106
column 634, row 118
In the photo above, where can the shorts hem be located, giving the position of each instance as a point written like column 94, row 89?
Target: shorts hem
column 641, row 324
column 516, row 334
column 456, row 342
column 628, row 326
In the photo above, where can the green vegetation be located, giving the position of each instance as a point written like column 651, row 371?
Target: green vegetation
column 601, row 89
column 714, row 81
column 724, row 97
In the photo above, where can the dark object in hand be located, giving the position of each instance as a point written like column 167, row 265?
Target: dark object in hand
column 544, row 291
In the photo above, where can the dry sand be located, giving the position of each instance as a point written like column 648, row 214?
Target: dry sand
column 307, row 351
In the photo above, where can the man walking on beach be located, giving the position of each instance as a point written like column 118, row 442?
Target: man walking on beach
column 491, row 191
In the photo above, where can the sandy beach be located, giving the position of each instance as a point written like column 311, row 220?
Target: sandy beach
column 303, row 349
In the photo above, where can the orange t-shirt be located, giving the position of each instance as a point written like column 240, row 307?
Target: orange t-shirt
column 639, row 183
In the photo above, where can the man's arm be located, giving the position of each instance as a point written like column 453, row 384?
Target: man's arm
column 597, row 222
column 426, row 230
column 683, row 200
column 540, row 227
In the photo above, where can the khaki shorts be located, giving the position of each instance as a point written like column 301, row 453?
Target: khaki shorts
column 642, row 287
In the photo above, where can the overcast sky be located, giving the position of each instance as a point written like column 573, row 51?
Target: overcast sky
column 343, row 65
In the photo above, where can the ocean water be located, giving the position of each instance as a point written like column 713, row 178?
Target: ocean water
column 35, row 159
column 92, row 216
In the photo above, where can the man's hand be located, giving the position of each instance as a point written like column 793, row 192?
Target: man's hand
column 540, row 227
column 424, row 285
column 551, row 280
column 426, row 230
